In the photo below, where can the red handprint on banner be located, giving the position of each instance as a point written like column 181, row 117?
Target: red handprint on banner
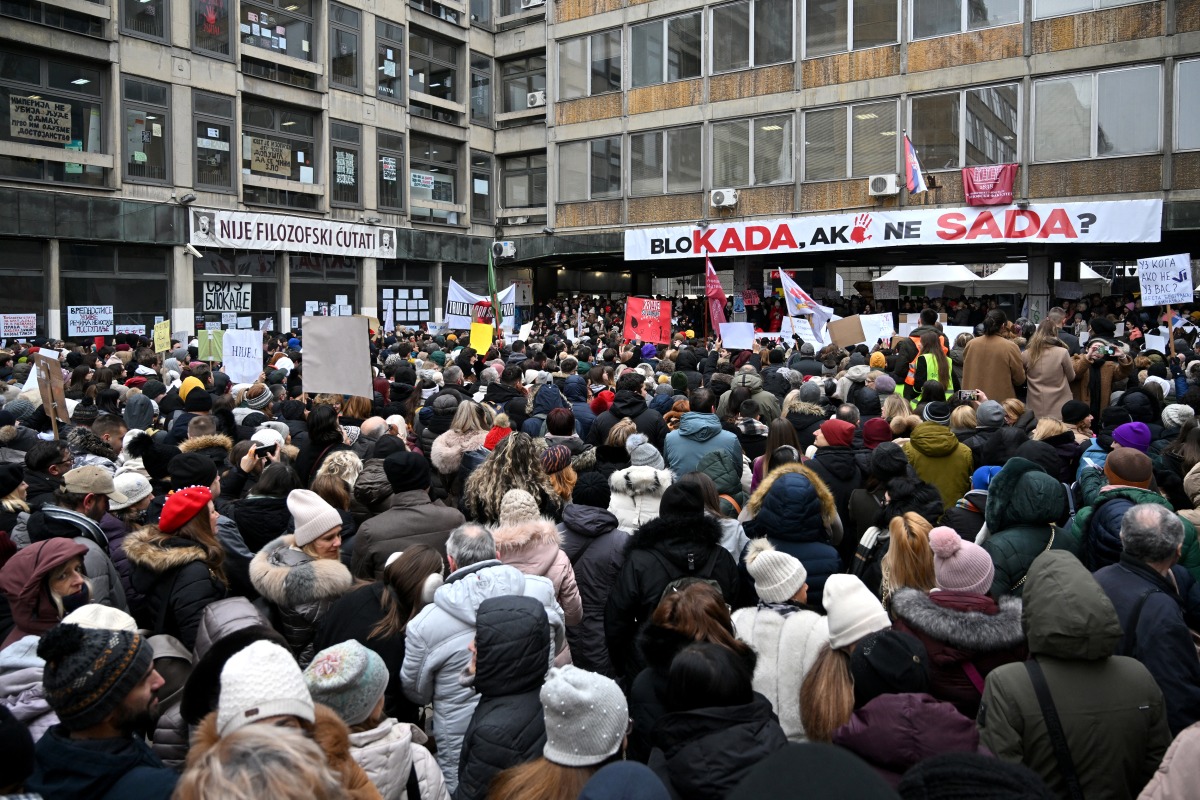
column 859, row 234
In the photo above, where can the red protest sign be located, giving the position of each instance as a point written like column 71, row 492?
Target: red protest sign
column 647, row 320
column 989, row 185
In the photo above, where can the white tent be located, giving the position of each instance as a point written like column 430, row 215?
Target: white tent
column 930, row 275
column 1015, row 278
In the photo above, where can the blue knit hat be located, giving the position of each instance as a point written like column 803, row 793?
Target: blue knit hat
column 983, row 478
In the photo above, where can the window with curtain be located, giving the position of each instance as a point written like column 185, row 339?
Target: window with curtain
column 755, row 152
column 850, row 141
column 1110, row 113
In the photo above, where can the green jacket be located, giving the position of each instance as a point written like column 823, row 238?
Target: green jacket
column 1023, row 504
column 1097, row 527
column 727, row 476
column 939, row 458
column 1111, row 709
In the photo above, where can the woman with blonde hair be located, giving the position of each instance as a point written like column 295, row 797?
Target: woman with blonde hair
column 467, row 434
column 261, row 761
column 612, row 456
column 1048, row 371
column 344, row 464
column 963, row 422
column 895, row 406
column 908, row 563
column 514, row 464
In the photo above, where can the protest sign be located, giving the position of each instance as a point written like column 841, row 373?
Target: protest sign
column 523, row 334
column 886, row 290
column 18, row 326
column 737, row 335
column 1158, row 343
column 647, row 320
column 50, row 385
column 244, row 323
column 210, row 344
column 989, row 185
column 136, row 330
column 460, row 302
column 802, row 327
column 954, row 331
column 267, row 324
column 162, row 337
column 229, row 318
column 227, row 296
column 89, row 320
column 1166, row 280
column 876, row 327
column 337, row 357
column 481, row 336
column 847, row 332
column 242, row 353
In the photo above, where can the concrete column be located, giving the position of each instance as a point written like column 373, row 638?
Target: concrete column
column 283, row 268
column 54, row 306
column 1041, row 273
column 437, row 294
column 368, row 281
column 741, row 274
column 183, row 294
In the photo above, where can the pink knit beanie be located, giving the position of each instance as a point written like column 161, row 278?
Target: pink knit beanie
column 959, row 565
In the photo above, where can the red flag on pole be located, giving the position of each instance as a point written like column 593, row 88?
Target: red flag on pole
column 714, row 294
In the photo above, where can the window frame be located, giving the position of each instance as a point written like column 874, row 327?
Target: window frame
column 589, row 62
column 665, row 23
column 1175, row 117
column 167, row 131
column 752, row 125
column 962, row 122
column 963, row 21
column 752, row 62
column 527, row 74
column 392, row 149
column 489, row 214
column 1096, row 6
column 665, row 159
column 588, row 176
column 529, row 174
column 256, row 51
column 850, row 47
column 165, row 19
column 1093, row 143
column 416, row 162
column 383, row 43
column 196, row 12
column 211, row 118
column 432, row 61
column 488, row 75
column 335, row 26
column 345, row 144
column 848, row 110
column 313, row 143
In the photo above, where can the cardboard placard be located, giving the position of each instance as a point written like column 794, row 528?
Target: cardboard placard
column 337, row 357
column 50, row 385
column 242, row 353
column 210, row 344
column 847, row 332
column 162, row 337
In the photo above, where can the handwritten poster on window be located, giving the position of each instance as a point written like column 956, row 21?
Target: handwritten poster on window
column 89, row 320
column 270, row 156
column 43, row 121
column 227, row 296
column 345, row 171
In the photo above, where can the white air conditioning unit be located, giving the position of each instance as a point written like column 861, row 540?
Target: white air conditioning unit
column 536, row 99
column 723, row 198
column 504, row 250
column 884, row 185
column 526, row 4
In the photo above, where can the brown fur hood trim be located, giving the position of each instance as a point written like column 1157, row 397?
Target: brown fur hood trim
column 524, row 534
column 8, row 433
column 828, row 506
column 208, row 442
column 156, row 551
column 83, row 441
column 291, row 578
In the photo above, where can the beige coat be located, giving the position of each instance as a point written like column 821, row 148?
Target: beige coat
column 1110, row 372
column 1049, row 382
column 993, row 364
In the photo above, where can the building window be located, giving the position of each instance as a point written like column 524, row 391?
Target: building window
column 433, row 175
column 344, row 28
column 52, row 104
column 432, row 66
column 481, row 187
column 146, row 18
column 481, row 89
column 662, row 162
column 278, row 142
column 1187, row 106
column 589, row 170
column 524, row 181
column 211, row 31
column 850, row 141
column 147, row 138
column 665, row 50
column 214, row 139
column 131, row 279
column 836, row 26
column 481, row 13
column 942, row 17
column 389, row 60
column 435, row 9
column 752, row 33
column 964, row 129
column 752, row 152
column 23, row 273
column 589, row 65
column 519, row 78
column 283, row 26
column 1057, row 8
column 53, row 17
column 390, row 147
column 1113, row 113
column 346, row 167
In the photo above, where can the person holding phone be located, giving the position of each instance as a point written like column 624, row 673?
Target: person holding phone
column 1095, row 371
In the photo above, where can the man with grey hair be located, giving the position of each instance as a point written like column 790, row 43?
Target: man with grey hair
column 436, row 640
column 1158, row 603
column 368, row 436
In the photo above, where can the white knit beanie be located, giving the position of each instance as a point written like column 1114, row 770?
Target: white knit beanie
column 777, row 576
column 586, row 717
column 259, row 681
column 312, row 515
column 853, row 611
column 518, row 506
column 94, row 615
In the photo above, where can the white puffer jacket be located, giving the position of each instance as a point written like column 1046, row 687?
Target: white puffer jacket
column 389, row 751
column 636, row 493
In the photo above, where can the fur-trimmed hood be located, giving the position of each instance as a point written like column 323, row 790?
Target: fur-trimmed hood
column 531, row 533
column 703, row 529
column 83, row 442
column 157, row 552
column 970, row 630
column 448, row 450
column 828, row 505
column 213, row 442
column 638, row 480
column 289, row 577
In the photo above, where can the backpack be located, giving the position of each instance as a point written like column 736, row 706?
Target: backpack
column 683, row 581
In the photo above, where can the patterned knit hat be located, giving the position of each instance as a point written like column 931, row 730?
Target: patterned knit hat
column 556, row 458
column 349, row 678
column 586, row 716
column 518, row 506
column 959, row 565
column 261, row 680
column 777, row 576
column 90, row 672
column 312, row 515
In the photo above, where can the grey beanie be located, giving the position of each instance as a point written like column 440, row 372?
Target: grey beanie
column 642, row 453
column 990, row 414
column 810, row 392
column 586, row 716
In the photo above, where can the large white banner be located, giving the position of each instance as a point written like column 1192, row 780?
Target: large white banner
column 1061, row 223
column 248, row 231
column 459, row 303
column 243, row 355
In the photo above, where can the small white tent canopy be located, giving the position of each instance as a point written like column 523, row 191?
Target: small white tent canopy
column 1015, row 278
column 930, row 275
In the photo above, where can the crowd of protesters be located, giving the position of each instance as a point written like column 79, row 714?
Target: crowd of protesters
column 575, row 566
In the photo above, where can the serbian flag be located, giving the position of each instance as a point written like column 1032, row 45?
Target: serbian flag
column 799, row 302
column 714, row 293
column 912, row 168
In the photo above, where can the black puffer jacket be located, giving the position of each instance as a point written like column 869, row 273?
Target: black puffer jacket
column 513, row 654
column 262, row 519
column 173, row 576
column 627, row 404
column 806, row 418
column 596, row 548
column 661, row 551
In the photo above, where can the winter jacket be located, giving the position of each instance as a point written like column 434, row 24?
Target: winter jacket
column 373, row 489
column 635, row 495
column 697, row 435
column 658, row 647
column 547, row 398
column 703, row 754
column 840, row 471
column 595, row 544
column 1160, row 637
column 173, row 662
column 1110, row 708
column 448, row 450
column 52, row 522
column 389, row 752
column 575, row 390
column 726, row 474
column 328, row 732
column 787, row 647
column 993, row 364
column 173, row 575
column 534, row 548
column 25, row 584
column 806, row 418
column 411, row 519
column 1179, row 774
column 262, row 519
column 966, row 516
column 115, row 531
column 1023, row 503
column 768, row 404
column 896, row 731
column 215, row 447
column 1110, row 372
column 512, row 639
column 939, row 458
column 41, row 489
column 119, row 769
column 631, row 405
column 299, row 590
column 792, row 508
column 436, row 648
column 661, row 551
column 21, row 690
column 1049, row 382
column 89, row 450
column 966, row 636
column 1097, row 527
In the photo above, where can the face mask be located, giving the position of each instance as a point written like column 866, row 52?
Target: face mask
column 74, row 601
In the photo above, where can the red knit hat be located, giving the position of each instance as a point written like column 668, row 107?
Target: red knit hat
column 182, row 506
column 494, row 436
column 601, row 402
column 838, row 433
